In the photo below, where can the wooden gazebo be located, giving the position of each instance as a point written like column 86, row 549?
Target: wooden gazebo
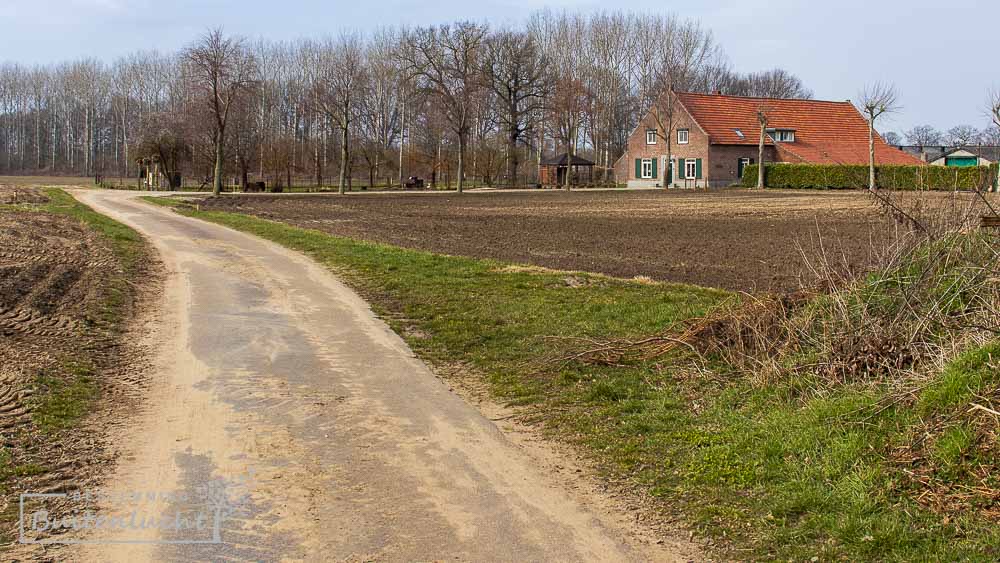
column 552, row 171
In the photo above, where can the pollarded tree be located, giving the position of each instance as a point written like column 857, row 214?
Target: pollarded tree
column 222, row 69
column 876, row 100
column 762, row 119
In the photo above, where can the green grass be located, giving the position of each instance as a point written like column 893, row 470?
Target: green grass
column 63, row 400
column 776, row 472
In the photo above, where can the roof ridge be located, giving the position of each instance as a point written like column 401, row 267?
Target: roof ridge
column 719, row 95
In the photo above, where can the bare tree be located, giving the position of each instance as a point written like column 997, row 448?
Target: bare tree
column 994, row 107
column 222, row 69
column 340, row 77
column 775, row 83
column 994, row 110
column 924, row 136
column 991, row 136
column 518, row 74
column 892, row 138
column 876, row 100
column 445, row 60
column 685, row 51
column 963, row 135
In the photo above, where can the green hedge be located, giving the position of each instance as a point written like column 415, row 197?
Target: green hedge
column 893, row 177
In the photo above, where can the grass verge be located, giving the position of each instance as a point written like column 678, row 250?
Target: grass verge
column 67, row 391
column 773, row 470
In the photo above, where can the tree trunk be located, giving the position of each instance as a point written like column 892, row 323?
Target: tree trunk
column 217, row 180
column 512, row 159
column 760, row 157
column 319, row 167
column 570, row 153
column 343, row 159
column 669, row 168
column 871, row 154
column 461, row 160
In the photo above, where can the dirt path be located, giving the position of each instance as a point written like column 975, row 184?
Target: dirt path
column 268, row 365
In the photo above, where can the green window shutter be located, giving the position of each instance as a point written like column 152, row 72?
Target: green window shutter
column 680, row 168
column 697, row 169
column 654, row 168
column 670, row 172
column 638, row 168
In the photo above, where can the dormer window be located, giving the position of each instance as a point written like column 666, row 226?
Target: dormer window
column 650, row 136
column 782, row 135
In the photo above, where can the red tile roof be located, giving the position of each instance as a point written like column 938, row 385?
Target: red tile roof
column 825, row 132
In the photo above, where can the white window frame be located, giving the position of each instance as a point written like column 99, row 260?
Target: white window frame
column 690, row 164
column 685, row 138
column 781, row 135
column 647, row 168
column 651, row 132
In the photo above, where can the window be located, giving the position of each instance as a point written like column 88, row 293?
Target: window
column 647, row 168
column 739, row 133
column 682, row 136
column 690, row 168
column 650, row 136
column 781, row 135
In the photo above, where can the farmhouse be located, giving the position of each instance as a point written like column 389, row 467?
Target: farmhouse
column 713, row 137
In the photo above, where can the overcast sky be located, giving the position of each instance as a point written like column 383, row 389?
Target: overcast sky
column 943, row 56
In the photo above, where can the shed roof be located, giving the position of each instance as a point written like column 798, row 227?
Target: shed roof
column 562, row 159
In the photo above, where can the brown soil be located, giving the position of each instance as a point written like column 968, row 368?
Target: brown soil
column 55, row 277
column 732, row 239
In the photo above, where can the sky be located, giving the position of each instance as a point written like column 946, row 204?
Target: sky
column 942, row 56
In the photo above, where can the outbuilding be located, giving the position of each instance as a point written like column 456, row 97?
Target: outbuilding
column 552, row 171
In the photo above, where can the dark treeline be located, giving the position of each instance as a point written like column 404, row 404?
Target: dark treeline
column 458, row 102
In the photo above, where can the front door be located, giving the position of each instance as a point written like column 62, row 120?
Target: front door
column 741, row 164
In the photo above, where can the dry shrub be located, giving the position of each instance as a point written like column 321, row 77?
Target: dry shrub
column 930, row 290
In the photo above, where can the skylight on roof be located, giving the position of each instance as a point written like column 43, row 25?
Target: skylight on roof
column 739, row 133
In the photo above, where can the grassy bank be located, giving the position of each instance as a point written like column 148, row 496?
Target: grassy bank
column 767, row 469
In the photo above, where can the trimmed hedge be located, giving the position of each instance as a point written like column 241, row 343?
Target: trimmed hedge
column 892, row 177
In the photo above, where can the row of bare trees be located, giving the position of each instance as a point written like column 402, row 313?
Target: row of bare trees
column 957, row 136
column 457, row 102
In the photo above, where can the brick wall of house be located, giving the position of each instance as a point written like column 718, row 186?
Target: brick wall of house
column 724, row 161
column 697, row 147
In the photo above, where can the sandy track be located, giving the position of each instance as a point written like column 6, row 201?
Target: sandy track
column 267, row 364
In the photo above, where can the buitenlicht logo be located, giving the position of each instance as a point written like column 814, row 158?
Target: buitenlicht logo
column 193, row 516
